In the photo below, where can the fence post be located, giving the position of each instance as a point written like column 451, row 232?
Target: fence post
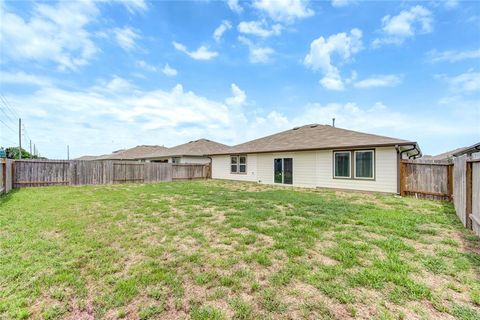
column 468, row 189
column 402, row 178
column 450, row 182
column 3, row 183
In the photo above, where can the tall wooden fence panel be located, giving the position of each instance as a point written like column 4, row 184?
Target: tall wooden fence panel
column 8, row 175
column 459, row 188
column 188, row 171
column 131, row 172
column 36, row 173
column 2, row 176
column 158, row 172
column 426, row 179
column 475, row 198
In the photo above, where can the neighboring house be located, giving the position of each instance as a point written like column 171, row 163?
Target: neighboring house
column 127, row 154
column 473, row 149
column 192, row 152
column 88, row 158
column 317, row 156
column 444, row 156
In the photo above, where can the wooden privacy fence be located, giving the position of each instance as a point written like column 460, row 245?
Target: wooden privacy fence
column 467, row 190
column 426, row 179
column 6, row 175
column 457, row 181
column 37, row 173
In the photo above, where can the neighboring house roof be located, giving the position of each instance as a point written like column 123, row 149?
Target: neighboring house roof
column 315, row 137
column 197, row 148
column 444, row 156
column 86, row 158
column 132, row 153
column 468, row 150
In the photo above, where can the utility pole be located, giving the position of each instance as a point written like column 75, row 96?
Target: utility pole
column 31, row 154
column 19, row 138
column 68, row 152
column 34, row 150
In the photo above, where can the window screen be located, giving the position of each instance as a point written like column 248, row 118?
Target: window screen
column 364, row 164
column 342, row 164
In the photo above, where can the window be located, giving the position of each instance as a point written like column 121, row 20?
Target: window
column 238, row 164
column 364, row 160
column 341, row 164
column 243, row 164
column 176, row 160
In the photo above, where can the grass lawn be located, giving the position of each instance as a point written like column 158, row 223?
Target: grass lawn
column 221, row 250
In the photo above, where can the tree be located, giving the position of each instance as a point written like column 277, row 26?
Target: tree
column 12, row 153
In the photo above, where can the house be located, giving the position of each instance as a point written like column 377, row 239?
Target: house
column 191, row 152
column 445, row 156
column 127, row 154
column 317, row 156
column 86, row 158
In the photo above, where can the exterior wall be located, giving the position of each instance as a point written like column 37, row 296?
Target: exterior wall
column 185, row 160
column 313, row 169
column 194, row 160
column 221, row 168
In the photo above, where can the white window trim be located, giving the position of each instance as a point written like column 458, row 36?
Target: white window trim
column 349, row 165
column 238, row 164
column 355, row 165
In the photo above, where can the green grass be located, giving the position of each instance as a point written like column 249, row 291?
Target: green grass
column 220, row 250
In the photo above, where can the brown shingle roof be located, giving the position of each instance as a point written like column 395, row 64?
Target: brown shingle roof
column 86, row 158
column 132, row 153
column 314, row 137
column 199, row 147
column 444, row 156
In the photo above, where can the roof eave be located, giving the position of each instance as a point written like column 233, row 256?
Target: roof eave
column 405, row 143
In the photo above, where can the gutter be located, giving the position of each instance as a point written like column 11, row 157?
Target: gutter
column 315, row 149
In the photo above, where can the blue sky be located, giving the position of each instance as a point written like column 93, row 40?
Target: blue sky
column 105, row 75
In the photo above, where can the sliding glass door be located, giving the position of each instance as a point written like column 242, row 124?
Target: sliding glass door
column 283, row 170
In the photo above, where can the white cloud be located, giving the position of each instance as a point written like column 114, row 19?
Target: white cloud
column 202, row 53
column 234, row 6
column 22, row 78
column 54, row 33
column 342, row 3
column 389, row 80
column 450, row 4
column 257, row 54
column 134, row 6
column 169, row 71
column 405, row 25
column 238, row 97
column 467, row 82
column 224, row 26
column 146, row 66
column 126, row 37
column 166, row 70
column 321, row 52
column 285, row 10
column 259, row 28
column 116, row 114
column 435, row 56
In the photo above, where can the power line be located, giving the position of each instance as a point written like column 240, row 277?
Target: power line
column 8, row 105
column 6, row 114
column 7, row 126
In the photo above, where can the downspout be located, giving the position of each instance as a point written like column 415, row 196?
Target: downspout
column 398, row 168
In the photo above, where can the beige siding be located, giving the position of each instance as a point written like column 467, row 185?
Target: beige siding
column 313, row 169
column 195, row 160
column 385, row 172
column 221, row 168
